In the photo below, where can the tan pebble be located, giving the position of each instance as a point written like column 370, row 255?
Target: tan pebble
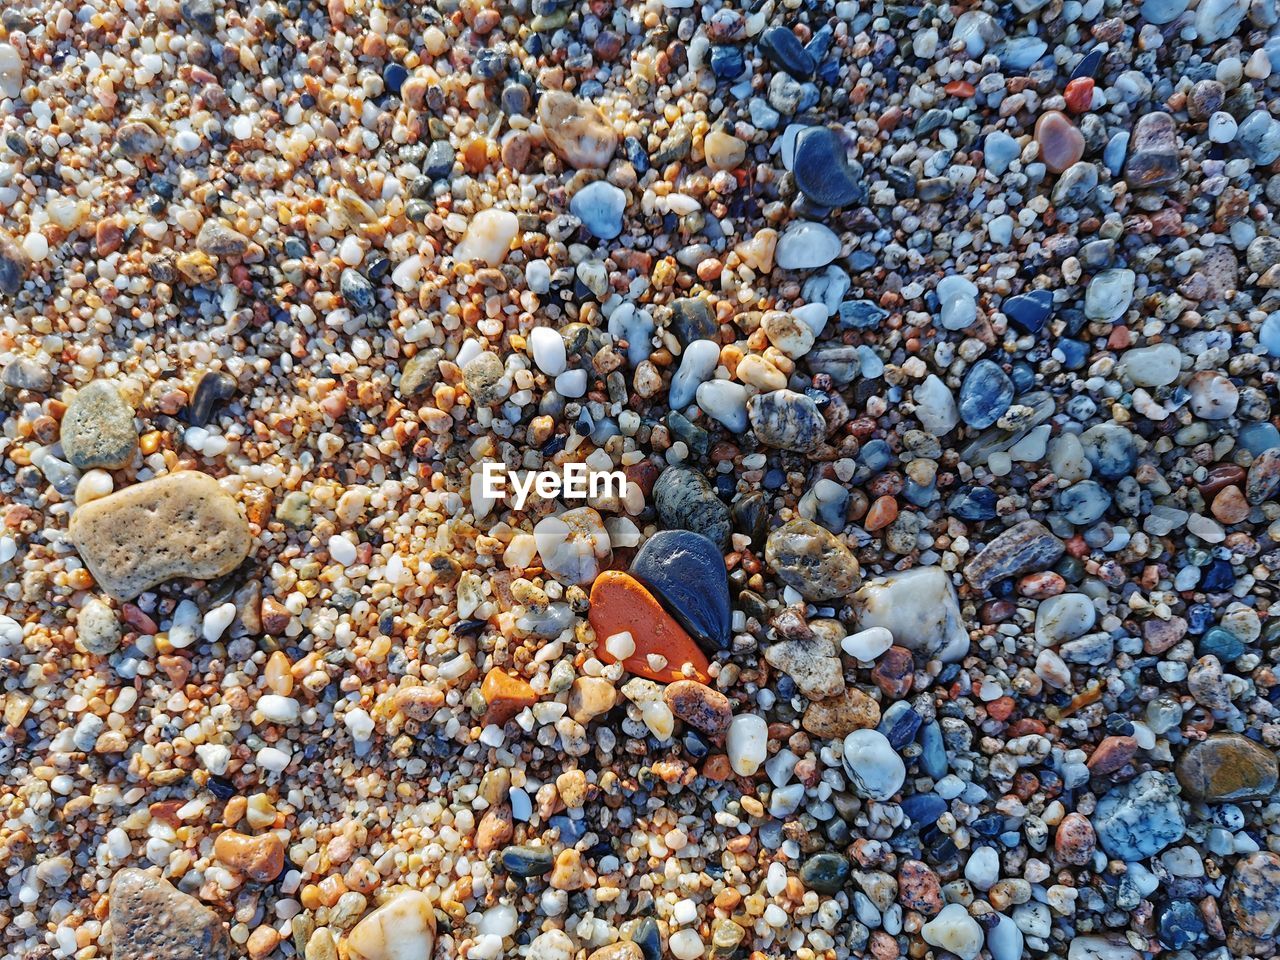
column 179, row 525
column 591, row 697
column 403, row 928
column 569, row 872
column 259, row 858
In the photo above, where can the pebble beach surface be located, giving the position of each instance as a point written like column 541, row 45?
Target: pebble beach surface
column 936, row 344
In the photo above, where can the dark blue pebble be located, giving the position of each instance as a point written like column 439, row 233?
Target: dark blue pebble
column 571, row 830
column 648, row 938
column 1181, row 925
column 787, row 687
column 686, row 571
column 694, row 745
column 822, row 169
column 774, row 478
column 438, row 162
column 1199, row 616
column 914, row 494
column 933, row 751
column 820, row 43
column 1023, row 376
column 973, row 503
column 860, row 315
column 862, row 260
column 1074, row 353
column 1029, row 312
column 727, row 62
column 356, row 290
column 527, row 861
column 636, row 155
column 785, row 52
column 394, row 76
column 1223, row 644
column 985, row 394
column 1218, row 576
column 924, row 809
column 826, row 872
column 899, row 724
column 989, row 825
column 1088, row 64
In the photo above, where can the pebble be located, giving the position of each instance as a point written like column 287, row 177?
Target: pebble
column 806, row 246
column 955, row 931
column 488, row 237
column 822, row 169
column 661, row 647
column 1061, row 142
column 697, row 364
column 150, row 919
column 23, row 373
column 15, row 263
column 576, row 130
column 1140, row 818
column 97, row 627
column 599, row 205
column 875, row 770
column 1253, row 895
column 919, row 609
column 1227, row 768
column 685, row 500
column 808, row 558
column 178, row 525
column 699, row 705
column 1109, row 294
column 786, row 420
column 686, row 571
column 826, row 873
column 401, row 929
column 746, row 743
column 1153, row 153
column 98, row 429
column 1023, row 548
column 985, row 395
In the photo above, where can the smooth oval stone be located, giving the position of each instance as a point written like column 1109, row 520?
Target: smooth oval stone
column 685, row 500
column 1083, row 503
column 1111, row 449
column 1155, row 366
column 1109, row 294
column 985, row 394
column 1064, row 617
column 826, row 872
column 822, row 169
column 599, row 206
column 1061, row 143
column 875, row 770
column 1029, row 312
column 806, row 246
column 180, row 525
column 1226, row 768
column 98, row 428
column 786, row 420
column 808, row 557
column 725, row 402
column 686, row 572
column 527, row 861
column 696, row 366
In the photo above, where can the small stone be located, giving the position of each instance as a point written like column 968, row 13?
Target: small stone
column 421, row 372
column 724, row 151
column 576, row 130
column 805, row 245
column 919, row 888
column 685, row 500
column 98, row 628
column 1153, row 153
column 599, row 205
column 1064, row 617
column 787, row 333
column 686, row 571
column 1263, row 480
column 1253, row 895
column 809, row 558
column 1155, row 366
column 488, row 237
column 826, row 873
column 23, row 373
column 1061, row 142
column 136, row 139
column 1109, row 294
column 152, row 920
column 1140, row 818
column 591, row 697
column 786, row 52
column 786, row 420
column 935, row 406
column 619, row 604
column 505, row 696
column 218, row 238
column 809, row 658
column 875, row 770
column 1023, row 548
column 1213, row 395
column 14, row 263
column 867, row 644
column 403, row 928
column 215, row 387
column 178, row 525
column 822, row 168
column 1227, row 768
column 955, row 931
column 837, row 717
column 1074, row 841
column 486, row 379
column 747, row 743
column 918, row 608
column 985, row 395
column 699, row 706
column 1111, row 754
column 260, row 858
column 98, row 429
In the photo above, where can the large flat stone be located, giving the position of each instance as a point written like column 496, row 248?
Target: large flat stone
column 153, row 920
column 179, row 525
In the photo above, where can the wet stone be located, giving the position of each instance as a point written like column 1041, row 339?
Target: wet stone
column 985, row 395
column 98, row 429
column 1061, row 142
column 826, row 873
column 218, row 238
column 599, row 206
column 576, row 130
column 785, row 51
column 786, row 420
column 527, row 861
column 822, row 169
column 699, row 705
column 691, row 320
column 215, row 387
column 1023, row 548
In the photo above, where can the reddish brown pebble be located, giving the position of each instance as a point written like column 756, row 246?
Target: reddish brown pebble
column 919, row 888
column 1230, row 506
column 1074, row 841
column 1061, row 144
column 1112, row 754
column 1079, row 94
column 894, row 672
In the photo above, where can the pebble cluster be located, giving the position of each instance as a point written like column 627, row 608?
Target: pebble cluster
column 937, row 345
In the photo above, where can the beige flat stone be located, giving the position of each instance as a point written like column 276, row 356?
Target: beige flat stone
column 179, row 525
column 403, row 928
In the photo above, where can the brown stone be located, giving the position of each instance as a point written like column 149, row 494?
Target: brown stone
column 1074, row 842
column 919, row 888
column 259, row 858
column 495, row 829
column 153, row 920
column 1230, row 506
column 894, row 672
column 1226, row 768
column 840, row 716
column 1111, row 754
column 699, row 706
column 1061, row 143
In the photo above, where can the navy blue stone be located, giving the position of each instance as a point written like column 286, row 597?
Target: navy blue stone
column 526, row 861
column 899, row 724
column 822, row 169
column 1088, row 65
column 1023, row 376
column 394, row 76
column 438, row 163
column 571, row 830
column 973, row 503
column 1029, row 312
column 636, row 155
column 924, row 809
column 985, row 394
column 694, row 745
column 1218, row 576
column 727, row 62
column 648, row 938
column 989, row 825
column 1199, row 617
column 1074, row 353
column 774, row 478
column 786, row 52
column 860, row 315
column 686, row 572
column 820, row 43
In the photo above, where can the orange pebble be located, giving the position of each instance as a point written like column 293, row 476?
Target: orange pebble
column 1079, row 94
column 618, row 604
column 506, row 696
column 882, row 513
column 959, row 88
